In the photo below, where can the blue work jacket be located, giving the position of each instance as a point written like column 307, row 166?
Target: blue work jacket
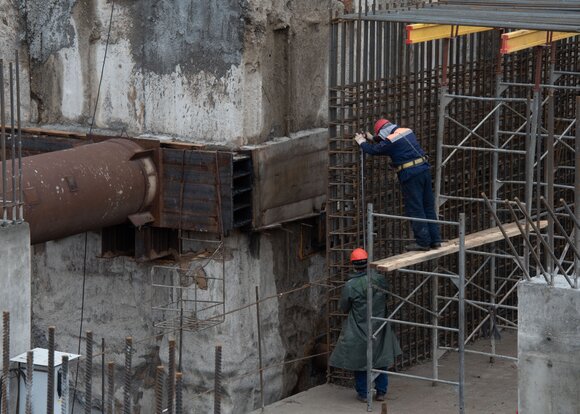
column 402, row 146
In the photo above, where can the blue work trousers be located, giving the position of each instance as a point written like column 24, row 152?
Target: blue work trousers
column 419, row 202
column 360, row 383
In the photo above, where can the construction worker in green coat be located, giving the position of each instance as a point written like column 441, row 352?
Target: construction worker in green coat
column 351, row 349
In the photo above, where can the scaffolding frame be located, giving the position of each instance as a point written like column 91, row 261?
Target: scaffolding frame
column 370, row 76
column 460, row 281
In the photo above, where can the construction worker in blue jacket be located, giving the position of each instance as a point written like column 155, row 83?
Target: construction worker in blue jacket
column 413, row 170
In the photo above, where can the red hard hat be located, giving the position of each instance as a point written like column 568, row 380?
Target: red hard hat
column 379, row 124
column 358, row 254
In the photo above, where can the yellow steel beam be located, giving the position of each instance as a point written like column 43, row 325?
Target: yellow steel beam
column 524, row 39
column 417, row 33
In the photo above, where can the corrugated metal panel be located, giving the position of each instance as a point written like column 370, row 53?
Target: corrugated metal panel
column 194, row 196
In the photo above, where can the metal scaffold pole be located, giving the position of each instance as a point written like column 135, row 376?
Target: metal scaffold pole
column 577, row 192
column 461, row 312
column 370, row 252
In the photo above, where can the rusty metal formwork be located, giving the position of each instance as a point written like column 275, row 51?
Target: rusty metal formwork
column 372, row 71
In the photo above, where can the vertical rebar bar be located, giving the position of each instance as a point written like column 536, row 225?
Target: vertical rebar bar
column 461, row 312
column 110, row 387
column 5, row 357
column 19, row 124
column 29, row 375
column 260, row 370
column 50, row 373
column 171, row 377
column 89, row 373
column 102, row 373
column 64, row 385
column 159, row 389
column 443, row 102
column 179, row 365
column 370, row 252
column 12, row 142
column 217, row 390
column 577, row 190
column 127, row 379
column 179, row 393
column 3, row 142
column 538, row 71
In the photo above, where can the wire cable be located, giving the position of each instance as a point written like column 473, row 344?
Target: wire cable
column 82, row 316
column 86, row 233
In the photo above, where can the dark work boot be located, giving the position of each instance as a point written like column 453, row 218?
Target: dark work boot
column 416, row 247
column 435, row 245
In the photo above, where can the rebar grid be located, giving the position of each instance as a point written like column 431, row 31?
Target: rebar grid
column 5, row 360
column 12, row 195
column 159, row 376
column 50, row 373
column 65, row 385
column 88, row 372
column 29, row 374
column 217, row 393
column 373, row 72
column 110, row 387
column 127, row 394
column 179, row 393
column 171, row 377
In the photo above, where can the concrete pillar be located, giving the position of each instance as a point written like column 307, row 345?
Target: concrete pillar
column 548, row 347
column 15, row 282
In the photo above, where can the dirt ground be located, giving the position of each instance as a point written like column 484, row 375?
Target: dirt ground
column 490, row 388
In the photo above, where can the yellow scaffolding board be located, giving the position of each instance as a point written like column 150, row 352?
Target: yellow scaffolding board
column 524, row 39
column 417, row 33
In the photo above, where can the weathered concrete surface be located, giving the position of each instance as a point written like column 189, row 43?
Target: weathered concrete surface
column 490, row 389
column 11, row 39
column 229, row 72
column 15, row 294
column 118, row 300
column 293, row 164
column 549, row 347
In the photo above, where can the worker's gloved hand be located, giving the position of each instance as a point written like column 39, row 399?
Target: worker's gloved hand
column 369, row 136
column 359, row 138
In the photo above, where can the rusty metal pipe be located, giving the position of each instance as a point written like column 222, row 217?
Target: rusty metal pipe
column 86, row 188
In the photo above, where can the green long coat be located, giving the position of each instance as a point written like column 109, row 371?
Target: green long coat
column 351, row 349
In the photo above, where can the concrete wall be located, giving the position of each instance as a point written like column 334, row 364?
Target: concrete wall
column 548, row 348
column 15, row 295
column 119, row 298
column 229, row 72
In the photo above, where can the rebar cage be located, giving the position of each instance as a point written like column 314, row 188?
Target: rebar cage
column 190, row 295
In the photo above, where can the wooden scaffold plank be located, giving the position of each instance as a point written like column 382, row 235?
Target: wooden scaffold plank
column 473, row 240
